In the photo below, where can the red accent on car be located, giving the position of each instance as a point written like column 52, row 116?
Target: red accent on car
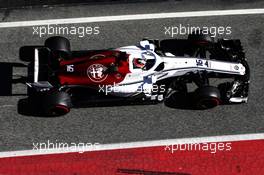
column 93, row 69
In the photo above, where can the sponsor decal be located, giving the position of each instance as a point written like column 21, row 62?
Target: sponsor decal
column 96, row 72
column 236, row 67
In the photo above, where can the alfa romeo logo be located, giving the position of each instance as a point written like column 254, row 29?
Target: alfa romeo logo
column 96, row 72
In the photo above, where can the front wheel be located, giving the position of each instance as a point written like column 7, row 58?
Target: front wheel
column 207, row 97
column 198, row 36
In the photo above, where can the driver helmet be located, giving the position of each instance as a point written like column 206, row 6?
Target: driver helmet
column 139, row 62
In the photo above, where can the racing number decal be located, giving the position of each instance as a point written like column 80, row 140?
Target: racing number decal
column 202, row 63
column 70, row 68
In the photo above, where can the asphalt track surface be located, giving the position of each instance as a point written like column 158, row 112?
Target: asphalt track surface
column 132, row 123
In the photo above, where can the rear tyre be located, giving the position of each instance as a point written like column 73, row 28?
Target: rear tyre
column 59, row 46
column 56, row 103
column 58, row 110
column 52, row 103
column 207, row 97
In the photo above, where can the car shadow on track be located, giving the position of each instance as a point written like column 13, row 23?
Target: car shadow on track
column 24, row 108
column 8, row 78
column 180, row 101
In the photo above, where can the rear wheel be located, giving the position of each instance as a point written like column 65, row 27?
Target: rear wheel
column 60, row 48
column 58, row 110
column 56, row 104
column 52, row 103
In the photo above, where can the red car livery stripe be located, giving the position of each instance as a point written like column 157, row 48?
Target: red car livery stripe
column 104, row 68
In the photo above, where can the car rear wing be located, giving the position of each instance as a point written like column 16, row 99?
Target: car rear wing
column 36, row 65
column 38, row 71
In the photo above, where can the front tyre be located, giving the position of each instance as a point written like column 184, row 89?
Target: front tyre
column 199, row 37
column 206, row 97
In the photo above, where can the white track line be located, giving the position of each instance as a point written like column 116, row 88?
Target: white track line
column 131, row 17
column 6, row 106
column 102, row 147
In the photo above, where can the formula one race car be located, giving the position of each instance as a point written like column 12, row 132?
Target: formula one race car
column 152, row 71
